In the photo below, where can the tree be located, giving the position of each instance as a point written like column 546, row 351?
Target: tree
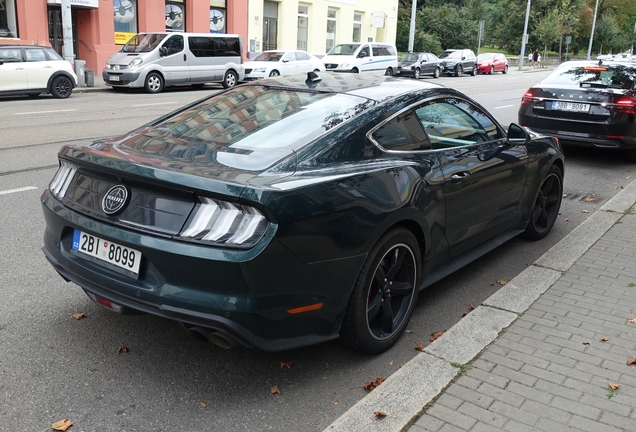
column 606, row 31
column 548, row 30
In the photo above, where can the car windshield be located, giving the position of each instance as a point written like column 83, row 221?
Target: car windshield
column 248, row 119
column 343, row 49
column 593, row 75
column 143, row 42
column 487, row 56
column 409, row 57
column 269, row 56
column 451, row 54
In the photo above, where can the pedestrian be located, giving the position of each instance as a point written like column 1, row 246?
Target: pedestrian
column 530, row 59
column 535, row 55
column 539, row 60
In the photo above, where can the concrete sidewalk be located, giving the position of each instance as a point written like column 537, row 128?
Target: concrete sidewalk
column 546, row 352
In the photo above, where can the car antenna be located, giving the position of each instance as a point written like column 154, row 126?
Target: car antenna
column 600, row 62
column 312, row 77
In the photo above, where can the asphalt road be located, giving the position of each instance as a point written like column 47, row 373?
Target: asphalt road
column 53, row 366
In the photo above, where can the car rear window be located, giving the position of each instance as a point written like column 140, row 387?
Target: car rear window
column 593, row 75
column 255, row 118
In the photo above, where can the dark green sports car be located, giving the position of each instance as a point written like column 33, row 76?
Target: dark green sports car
column 296, row 210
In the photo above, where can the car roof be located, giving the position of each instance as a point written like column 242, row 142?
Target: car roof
column 23, row 46
column 370, row 87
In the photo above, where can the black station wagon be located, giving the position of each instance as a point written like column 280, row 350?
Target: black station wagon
column 296, row 210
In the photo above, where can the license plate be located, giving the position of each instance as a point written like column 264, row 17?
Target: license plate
column 113, row 78
column 104, row 250
column 570, row 106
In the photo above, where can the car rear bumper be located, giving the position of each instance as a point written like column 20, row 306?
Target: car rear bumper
column 246, row 296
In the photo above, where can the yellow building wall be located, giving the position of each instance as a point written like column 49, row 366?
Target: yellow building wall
column 317, row 37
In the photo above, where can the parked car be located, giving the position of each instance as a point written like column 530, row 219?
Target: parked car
column 417, row 64
column 492, row 62
column 458, row 61
column 586, row 103
column 33, row 70
column 368, row 58
column 155, row 60
column 274, row 63
column 295, row 210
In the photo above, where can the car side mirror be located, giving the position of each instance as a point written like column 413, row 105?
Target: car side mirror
column 517, row 134
column 463, row 58
column 1, row 62
column 362, row 55
column 285, row 60
column 163, row 51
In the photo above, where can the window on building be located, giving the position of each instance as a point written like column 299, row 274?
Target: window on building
column 175, row 16
column 218, row 12
column 303, row 27
column 331, row 28
column 125, row 20
column 357, row 26
column 8, row 19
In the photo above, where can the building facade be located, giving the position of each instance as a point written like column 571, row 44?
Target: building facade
column 317, row 25
column 101, row 27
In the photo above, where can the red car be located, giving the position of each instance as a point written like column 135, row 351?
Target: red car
column 492, row 62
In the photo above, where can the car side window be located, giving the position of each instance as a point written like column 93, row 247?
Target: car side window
column 302, row 56
column 11, row 56
column 451, row 122
column 402, row 133
column 35, row 55
column 291, row 56
column 175, row 45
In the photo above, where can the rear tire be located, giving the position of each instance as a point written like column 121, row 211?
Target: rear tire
column 474, row 71
column 230, row 79
column 384, row 295
column 546, row 205
column 388, row 72
column 61, row 87
column 505, row 71
column 154, row 83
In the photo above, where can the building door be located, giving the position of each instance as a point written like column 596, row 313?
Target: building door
column 56, row 38
column 270, row 25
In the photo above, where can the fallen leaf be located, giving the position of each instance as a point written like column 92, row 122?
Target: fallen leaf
column 566, row 220
column 584, row 211
column 379, row 414
column 631, row 361
column 274, row 390
column 628, row 177
column 502, row 282
column 286, row 364
column 633, row 320
column 122, row 349
column 590, row 199
column 202, row 405
column 470, row 309
column 408, row 331
column 436, row 335
column 62, row 425
column 585, row 343
column 603, row 339
column 335, row 402
column 78, row 316
column 373, row 384
column 613, row 386
column 391, row 363
column 420, row 347
column 603, row 248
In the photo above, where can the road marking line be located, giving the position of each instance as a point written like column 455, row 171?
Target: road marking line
column 44, row 112
column 9, row 191
column 160, row 103
column 504, row 106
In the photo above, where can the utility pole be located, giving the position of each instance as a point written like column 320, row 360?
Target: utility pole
column 525, row 38
column 67, row 31
column 412, row 29
column 589, row 48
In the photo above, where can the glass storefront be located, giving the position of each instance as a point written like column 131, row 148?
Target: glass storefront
column 8, row 19
column 125, row 20
column 175, row 16
column 218, row 20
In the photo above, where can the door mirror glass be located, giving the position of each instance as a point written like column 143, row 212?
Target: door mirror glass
column 163, row 51
column 517, row 134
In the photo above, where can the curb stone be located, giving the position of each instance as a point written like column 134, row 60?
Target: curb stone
column 404, row 395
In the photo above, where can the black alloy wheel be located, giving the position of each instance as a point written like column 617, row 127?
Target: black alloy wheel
column 546, row 205
column 388, row 71
column 459, row 70
column 416, row 74
column 436, row 73
column 384, row 295
column 274, row 73
column 230, row 79
column 61, row 87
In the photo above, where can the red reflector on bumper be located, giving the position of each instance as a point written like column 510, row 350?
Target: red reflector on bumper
column 104, row 302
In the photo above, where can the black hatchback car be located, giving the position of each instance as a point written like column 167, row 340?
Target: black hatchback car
column 586, row 103
column 295, row 210
column 418, row 64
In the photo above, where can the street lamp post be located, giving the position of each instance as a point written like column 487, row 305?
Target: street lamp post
column 412, row 29
column 525, row 38
column 589, row 48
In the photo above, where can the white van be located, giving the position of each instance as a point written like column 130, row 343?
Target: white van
column 362, row 57
column 156, row 60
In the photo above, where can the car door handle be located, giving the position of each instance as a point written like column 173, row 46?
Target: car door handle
column 460, row 175
column 48, row 67
column 184, row 57
column 19, row 68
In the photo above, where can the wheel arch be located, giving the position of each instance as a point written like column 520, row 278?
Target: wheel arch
column 57, row 74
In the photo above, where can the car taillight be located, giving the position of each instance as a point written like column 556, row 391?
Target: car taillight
column 625, row 105
column 527, row 98
column 222, row 223
column 62, row 179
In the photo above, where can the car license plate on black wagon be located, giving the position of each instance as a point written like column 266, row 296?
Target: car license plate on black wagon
column 570, row 106
column 104, row 250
